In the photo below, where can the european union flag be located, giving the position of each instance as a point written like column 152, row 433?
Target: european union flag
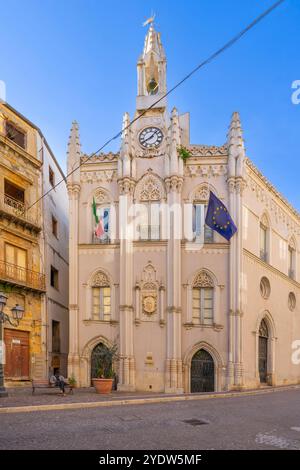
column 218, row 217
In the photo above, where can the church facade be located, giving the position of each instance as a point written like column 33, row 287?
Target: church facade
column 188, row 310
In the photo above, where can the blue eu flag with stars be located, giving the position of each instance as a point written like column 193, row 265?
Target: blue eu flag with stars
column 218, row 217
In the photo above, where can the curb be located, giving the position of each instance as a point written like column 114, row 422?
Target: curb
column 141, row 401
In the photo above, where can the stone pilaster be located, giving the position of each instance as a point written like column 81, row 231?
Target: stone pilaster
column 126, row 352
column 173, row 383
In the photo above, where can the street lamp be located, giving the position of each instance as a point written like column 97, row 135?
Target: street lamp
column 17, row 314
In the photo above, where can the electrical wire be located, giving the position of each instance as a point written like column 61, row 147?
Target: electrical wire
column 226, row 46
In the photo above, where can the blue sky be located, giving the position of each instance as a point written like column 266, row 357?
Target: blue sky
column 76, row 59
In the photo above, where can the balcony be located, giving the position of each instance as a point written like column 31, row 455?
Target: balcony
column 18, row 276
column 149, row 232
column 16, row 211
column 104, row 240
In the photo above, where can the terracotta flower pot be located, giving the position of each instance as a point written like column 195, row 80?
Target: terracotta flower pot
column 103, row 385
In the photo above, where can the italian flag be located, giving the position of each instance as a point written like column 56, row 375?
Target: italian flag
column 99, row 230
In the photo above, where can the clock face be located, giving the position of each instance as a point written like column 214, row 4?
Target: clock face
column 151, row 137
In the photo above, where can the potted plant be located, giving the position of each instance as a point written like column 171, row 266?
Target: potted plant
column 105, row 374
column 72, row 381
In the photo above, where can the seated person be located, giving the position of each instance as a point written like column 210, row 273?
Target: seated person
column 59, row 381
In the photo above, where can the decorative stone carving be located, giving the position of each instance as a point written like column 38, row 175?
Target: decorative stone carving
column 150, row 188
column 208, row 150
column 192, row 169
column 98, row 176
column 203, row 280
column 174, row 183
column 149, row 304
column 100, row 157
column 201, row 193
column 100, row 280
column 149, row 291
column 101, row 196
column 126, row 185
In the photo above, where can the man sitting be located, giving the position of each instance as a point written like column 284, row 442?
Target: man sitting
column 59, row 381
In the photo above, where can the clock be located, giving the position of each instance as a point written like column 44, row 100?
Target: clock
column 151, row 137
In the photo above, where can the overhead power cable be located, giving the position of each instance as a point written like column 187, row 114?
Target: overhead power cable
column 213, row 56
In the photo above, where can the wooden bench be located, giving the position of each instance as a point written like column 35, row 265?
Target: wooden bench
column 44, row 383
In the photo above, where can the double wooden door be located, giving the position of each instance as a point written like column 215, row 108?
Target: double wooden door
column 16, row 354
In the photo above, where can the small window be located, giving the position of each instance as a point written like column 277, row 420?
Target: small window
column 15, row 135
column 54, row 277
column 51, row 177
column 54, row 227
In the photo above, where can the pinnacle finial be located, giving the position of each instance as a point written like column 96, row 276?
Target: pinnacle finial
column 74, row 146
column 235, row 133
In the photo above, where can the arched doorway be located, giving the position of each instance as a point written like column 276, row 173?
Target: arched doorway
column 263, row 336
column 202, row 372
column 96, row 356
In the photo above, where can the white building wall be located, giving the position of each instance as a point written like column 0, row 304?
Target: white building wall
column 56, row 254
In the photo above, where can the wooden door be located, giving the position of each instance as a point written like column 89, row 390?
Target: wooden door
column 16, row 354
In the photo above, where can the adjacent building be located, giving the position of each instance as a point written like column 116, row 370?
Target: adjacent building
column 188, row 310
column 28, row 251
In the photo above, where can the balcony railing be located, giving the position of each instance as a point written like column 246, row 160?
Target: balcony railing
column 149, row 232
column 104, row 240
column 17, row 275
column 17, row 210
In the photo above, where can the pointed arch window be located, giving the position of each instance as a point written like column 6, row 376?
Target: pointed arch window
column 152, row 87
column 101, row 297
column 101, row 214
column 149, row 193
column 203, row 299
column 291, row 260
column 202, row 233
column 264, row 235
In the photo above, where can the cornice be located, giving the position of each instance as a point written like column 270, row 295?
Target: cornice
column 99, row 158
column 272, row 188
column 206, row 248
column 19, row 151
column 149, row 243
column 208, row 150
column 270, row 268
column 89, row 248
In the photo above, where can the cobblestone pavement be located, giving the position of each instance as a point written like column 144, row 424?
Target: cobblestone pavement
column 269, row 421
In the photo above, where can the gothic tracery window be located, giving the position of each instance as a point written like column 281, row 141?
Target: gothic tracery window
column 101, row 297
column 203, row 299
column 149, row 195
column 201, row 231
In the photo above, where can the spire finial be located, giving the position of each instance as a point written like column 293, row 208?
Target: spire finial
column 150, row 20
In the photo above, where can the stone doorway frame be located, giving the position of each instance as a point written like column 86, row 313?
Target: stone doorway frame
column 187, row 362
column 271, row 375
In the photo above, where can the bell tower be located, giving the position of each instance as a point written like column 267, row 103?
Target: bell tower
column 151, row 69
